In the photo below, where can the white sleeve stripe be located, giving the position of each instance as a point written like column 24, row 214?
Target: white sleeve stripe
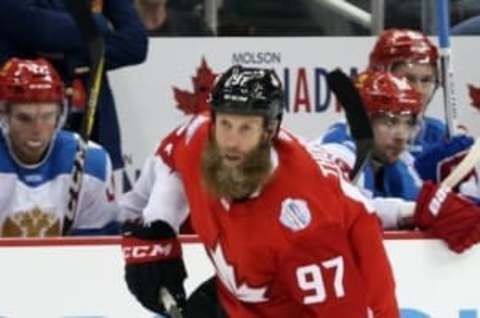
column 354, row 193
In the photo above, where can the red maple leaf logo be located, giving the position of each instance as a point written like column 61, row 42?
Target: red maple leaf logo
column 196, row 102
column 474, row 93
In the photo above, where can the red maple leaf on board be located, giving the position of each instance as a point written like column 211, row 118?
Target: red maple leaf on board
column 474, row 93
column 196, row 102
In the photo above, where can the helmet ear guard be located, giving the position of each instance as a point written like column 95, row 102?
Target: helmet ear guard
column 249, row 91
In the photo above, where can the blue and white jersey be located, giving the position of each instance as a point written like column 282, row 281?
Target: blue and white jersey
column 431, row 132
column 34, row 198
column 389, row 186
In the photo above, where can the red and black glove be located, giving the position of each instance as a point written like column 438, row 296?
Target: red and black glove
column 448, row 216
column 153, row 258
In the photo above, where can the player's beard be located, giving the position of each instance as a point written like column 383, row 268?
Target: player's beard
column 237, row 182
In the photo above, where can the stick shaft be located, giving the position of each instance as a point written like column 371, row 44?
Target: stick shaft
column 447, row 76
column 81, row 13
column 465, row 167
column 357, row 119
column 169, row 303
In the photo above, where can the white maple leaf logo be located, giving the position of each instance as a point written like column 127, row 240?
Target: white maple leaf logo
column 226, row 273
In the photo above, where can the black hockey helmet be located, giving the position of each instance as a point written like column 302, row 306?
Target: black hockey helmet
column 249, row 91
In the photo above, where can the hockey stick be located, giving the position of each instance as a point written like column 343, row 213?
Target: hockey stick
column 81, row 12
column 169, row 303
column 464, row 167
column 357, row 118
column 447, row 80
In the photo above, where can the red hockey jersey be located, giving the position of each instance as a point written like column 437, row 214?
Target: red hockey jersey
column 308, row 245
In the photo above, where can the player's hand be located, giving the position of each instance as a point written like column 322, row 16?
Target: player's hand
column 153, row 259
column 448, row 216
column 437, row 163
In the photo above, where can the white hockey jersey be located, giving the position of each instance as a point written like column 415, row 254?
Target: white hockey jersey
column 33, row 198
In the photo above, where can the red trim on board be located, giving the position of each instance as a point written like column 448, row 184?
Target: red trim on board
column 115, row 240
column 75, row 241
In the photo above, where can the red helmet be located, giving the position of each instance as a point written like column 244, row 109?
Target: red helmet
column 394, row 45
column 383, row 92
column 30, row 81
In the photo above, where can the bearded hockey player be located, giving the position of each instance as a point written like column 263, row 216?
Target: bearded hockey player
column 288, row 236
column 36, row 159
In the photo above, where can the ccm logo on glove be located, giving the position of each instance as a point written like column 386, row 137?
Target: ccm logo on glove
column 437, row 200
column 138, row 251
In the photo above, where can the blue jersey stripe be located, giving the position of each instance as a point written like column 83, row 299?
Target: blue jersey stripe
column 59, row 162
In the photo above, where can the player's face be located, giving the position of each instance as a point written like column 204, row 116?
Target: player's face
column 392, row 134
column 237, row 136
column 31, row 127
column 236, row 161
column 421, row 76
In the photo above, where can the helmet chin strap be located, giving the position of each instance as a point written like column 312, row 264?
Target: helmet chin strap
column 3, row 119
column 430, row 98
column 272, row 128
column 19, row 162
column 63, row 115
column 377, row 162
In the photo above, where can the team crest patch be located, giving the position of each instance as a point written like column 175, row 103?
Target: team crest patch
column 31, row 223
column 295, row 214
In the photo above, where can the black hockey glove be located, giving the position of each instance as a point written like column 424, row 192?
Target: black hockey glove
column 204, row 302
column 153, row 259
